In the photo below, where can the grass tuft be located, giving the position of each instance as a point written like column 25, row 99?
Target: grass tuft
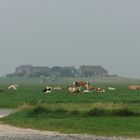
column 96, row 112
column 60, row 111
column 38, row 110
column 124, row 112
column 75, row 112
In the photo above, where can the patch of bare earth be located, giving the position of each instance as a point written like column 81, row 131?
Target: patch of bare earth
column 8, row 132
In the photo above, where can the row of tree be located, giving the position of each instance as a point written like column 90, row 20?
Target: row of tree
column 55, row 71
column 58, row 71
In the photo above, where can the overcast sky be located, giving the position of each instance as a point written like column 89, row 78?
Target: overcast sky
column 71, row 33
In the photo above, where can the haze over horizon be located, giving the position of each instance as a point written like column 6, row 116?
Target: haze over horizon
column 71, row 33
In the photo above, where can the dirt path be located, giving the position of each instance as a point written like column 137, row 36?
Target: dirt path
column 8, row 132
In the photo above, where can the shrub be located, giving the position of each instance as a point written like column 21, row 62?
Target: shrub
column 75, row 112
column 115, row 112
column 60, row 111
column 96, row 112
column 123, row 112
column 38, row 110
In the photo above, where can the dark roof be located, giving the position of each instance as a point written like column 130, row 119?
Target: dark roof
column 93, row 68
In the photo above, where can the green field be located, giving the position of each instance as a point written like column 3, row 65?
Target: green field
column 110, row 113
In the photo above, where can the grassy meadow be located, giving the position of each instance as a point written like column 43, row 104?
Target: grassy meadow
column 111, row 113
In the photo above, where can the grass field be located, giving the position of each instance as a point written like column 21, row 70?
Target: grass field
column 110, row 113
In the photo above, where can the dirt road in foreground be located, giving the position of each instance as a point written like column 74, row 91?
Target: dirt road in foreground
column 8, row 132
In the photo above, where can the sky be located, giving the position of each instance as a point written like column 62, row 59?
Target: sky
column 71, row 33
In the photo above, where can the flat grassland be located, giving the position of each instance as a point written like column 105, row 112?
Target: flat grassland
column 111, row 113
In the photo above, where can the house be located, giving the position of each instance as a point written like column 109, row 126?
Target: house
column 67, row 71
column 29, row 70
column 23, row 70
column 92, row 70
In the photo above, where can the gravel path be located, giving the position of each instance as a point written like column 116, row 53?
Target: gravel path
column 8, row 132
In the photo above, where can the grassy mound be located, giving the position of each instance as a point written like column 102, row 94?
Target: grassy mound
column 61, row 112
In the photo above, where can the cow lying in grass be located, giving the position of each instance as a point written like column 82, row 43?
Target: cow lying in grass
column 73, row 89
column 47, row 89
column 134, row 87
column 99, row 90
column 57, row 88
column 111, row 88
column 13, row 87
column 91, row 88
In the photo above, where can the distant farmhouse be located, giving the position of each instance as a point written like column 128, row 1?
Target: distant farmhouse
column 92, row 70
column 57, row 71
column 31, row 71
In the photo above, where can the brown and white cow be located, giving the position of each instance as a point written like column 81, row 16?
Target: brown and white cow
column 81, row 84
column 99, row 90
column 73, row 89
column 134, row 87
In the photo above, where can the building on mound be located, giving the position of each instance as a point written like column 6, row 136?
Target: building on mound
column 58, row 71
column 92, row 70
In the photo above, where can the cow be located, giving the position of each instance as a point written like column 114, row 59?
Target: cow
column 90, row 88
column 81, row 84
column 99, row 90
column 73, row 89
column 134, row 87
column 13, row 87
column 57, row 88
column 111, row 88
column 47, row 89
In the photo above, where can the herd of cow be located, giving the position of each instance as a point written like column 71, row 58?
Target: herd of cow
column 81, row 86
column 76, row 87
column 85, row 87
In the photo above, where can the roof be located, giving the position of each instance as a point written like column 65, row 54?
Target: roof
column 93, row 68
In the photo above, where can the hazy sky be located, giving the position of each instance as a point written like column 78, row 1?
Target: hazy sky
column 71, row 32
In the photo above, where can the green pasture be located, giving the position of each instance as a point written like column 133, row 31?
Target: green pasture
column 110, row 113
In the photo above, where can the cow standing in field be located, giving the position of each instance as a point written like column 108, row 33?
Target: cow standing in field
column 81, row 84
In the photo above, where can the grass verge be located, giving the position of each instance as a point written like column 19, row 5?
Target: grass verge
column 97, row 121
